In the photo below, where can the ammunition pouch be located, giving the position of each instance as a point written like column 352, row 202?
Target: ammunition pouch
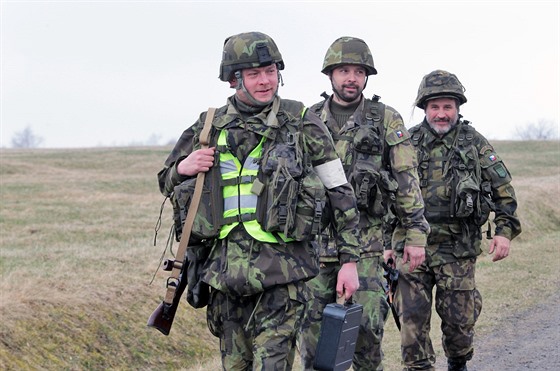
column 365, row 180
column 281, row 195
column 473, row 199
column 366, row 140
column 375, row 190
column 467, row 195
column 486, row 203
column 207, row 222
column 311, row 200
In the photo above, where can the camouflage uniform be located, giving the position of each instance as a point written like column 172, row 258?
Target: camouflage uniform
column 453, row 168
column 395, row 158
column 258, row 295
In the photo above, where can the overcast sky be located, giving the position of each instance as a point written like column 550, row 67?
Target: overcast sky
column 106, row 73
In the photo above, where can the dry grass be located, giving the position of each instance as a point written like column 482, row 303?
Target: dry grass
column 77, row 256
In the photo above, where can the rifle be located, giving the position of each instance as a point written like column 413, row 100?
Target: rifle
column 162, row 318
column 392, row 276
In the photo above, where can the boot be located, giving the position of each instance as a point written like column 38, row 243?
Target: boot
column 456, row 365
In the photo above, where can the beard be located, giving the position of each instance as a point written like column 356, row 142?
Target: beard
column 443, row 126
column 347, row 97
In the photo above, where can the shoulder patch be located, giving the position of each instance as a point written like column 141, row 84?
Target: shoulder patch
column 501, row 170
column 486, row 148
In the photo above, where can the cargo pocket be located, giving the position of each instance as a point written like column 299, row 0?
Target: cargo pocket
column 213, row 316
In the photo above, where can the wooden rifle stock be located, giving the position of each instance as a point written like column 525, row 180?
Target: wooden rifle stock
column 162, row 318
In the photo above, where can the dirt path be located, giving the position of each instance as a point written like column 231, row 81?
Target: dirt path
column 529, row 340
column 526, row 341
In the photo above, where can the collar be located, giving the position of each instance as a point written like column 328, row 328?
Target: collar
column 354, row 119
column 263, row 121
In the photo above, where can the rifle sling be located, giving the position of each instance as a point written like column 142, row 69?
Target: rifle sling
column 173, row 280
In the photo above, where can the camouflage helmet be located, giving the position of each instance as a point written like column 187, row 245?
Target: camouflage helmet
column 440, row 84
column 348, row 50
column 248, row 50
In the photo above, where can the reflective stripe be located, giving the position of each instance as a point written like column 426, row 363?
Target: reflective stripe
column 227, row 167
column 331, row 174
column 253, row 164
column 248, row 202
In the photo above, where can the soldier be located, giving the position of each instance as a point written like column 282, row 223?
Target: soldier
column 462, row 178
column 380, row 163
column 273, row 166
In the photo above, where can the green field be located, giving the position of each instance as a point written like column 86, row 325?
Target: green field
column 77, row 257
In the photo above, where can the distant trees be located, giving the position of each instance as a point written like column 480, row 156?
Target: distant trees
column 26, row 139
column 541, row 130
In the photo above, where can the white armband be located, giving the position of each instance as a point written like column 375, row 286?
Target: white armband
column 331, row 174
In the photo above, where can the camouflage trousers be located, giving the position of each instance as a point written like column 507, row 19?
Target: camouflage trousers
column 457, row 301
column 368, row 354
column 258, row 332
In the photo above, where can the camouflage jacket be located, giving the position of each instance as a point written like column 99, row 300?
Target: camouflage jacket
column 458, row 164
column 394, row 159
column 274, row 263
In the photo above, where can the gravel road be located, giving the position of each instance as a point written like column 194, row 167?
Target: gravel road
column 529, row 340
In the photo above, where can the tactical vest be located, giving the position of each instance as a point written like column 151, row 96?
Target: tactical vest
column 451, row 178
column 362, row 150
column 276, row 194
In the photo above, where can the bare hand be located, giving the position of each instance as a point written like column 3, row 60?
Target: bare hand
column 500, row 245
column 389, row 254
column 415, row 254
column 347, row 282
column 198, row 161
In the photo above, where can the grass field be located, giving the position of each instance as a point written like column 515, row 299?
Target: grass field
column 77, row 257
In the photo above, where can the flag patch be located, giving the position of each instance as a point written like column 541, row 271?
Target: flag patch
column 399, row 134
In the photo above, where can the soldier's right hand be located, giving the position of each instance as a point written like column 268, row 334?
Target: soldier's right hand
column 389, row 254
column 198, row 161
column 347, row 282
column 415, row 254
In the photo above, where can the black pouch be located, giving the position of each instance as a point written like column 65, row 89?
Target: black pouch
column 198, row 292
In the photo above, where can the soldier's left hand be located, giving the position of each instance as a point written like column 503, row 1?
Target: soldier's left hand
column 499, row 245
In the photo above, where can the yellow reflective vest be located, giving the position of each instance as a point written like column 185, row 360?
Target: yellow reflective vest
column 240, row 204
